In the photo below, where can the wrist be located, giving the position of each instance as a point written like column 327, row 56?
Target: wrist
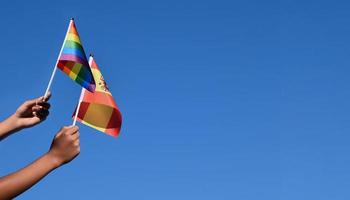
column 14, row 122
column 53, row 160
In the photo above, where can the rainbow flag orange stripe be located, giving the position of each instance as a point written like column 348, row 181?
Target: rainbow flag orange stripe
column 73, row 61
column 98, row 109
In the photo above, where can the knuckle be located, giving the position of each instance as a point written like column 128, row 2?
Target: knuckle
column 76, row 128
column 66, row 133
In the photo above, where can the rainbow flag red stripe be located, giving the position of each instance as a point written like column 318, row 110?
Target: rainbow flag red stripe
column 73, row 61
column 98, row 109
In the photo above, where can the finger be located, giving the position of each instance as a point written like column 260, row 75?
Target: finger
column 30, row 103
column 42, row 114
column 73, row 130
column 41, row 106
column 34, row 120
column 44, row 105
column 36, row 108
column 33, row 102
column 39, row 119
column 76, row 136
column 38, row 100
column 77, row 142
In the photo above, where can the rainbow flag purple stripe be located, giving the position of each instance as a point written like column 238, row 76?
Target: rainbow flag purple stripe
column 73, row 61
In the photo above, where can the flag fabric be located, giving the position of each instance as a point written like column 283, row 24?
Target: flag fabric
column 99, row 109
column 72, row 60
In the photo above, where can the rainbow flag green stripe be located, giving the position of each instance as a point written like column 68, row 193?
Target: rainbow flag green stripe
column 73, row 61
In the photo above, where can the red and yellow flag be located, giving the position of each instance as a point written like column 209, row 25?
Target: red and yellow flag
column 99, row 110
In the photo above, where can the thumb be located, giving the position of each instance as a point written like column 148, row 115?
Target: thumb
column 32, row 102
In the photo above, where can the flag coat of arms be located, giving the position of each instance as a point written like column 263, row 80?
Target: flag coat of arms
column 72, row 59
column 99, row 109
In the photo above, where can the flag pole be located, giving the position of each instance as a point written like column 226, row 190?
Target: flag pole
column 78, row 107
column 80, row 98
column 55, row 67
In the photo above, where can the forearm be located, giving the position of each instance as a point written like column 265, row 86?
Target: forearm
column 9, row 126
column 16, row 183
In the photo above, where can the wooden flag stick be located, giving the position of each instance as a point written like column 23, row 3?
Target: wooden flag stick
column 55, row 67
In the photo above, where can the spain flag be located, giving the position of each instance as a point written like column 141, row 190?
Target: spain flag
column 98, row 109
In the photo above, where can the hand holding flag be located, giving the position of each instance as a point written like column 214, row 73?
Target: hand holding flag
column 32, row 112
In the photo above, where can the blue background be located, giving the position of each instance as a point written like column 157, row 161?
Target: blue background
column 220, row 99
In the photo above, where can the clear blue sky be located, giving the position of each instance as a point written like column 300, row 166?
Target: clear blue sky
column 220, row 99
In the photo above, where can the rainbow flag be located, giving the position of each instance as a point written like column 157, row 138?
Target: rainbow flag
column 73, row 61
column 98, row 109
